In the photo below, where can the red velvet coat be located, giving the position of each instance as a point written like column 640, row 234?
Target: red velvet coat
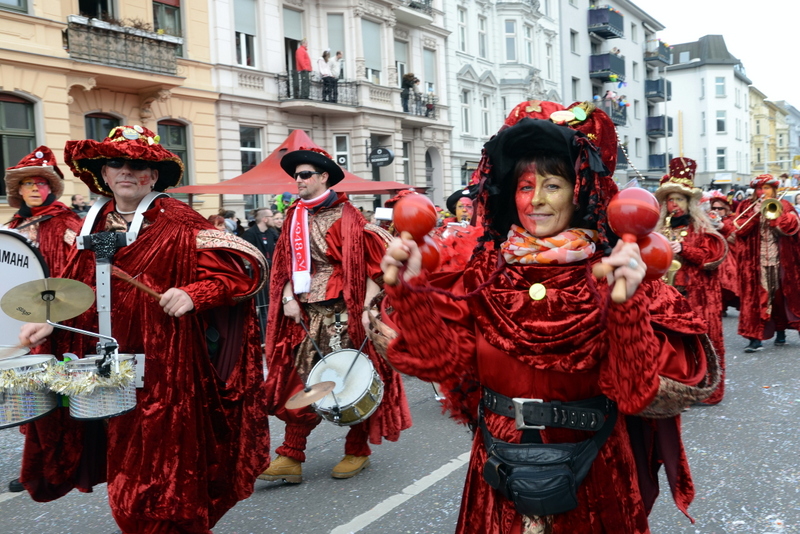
column 753, row 316
column 354, row 253
column 198, row 437
column 54, row 235
column 570, row 345
column 701, row 256
column 729, row 270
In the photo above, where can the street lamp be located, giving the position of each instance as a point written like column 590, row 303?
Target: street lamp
column 666, row 117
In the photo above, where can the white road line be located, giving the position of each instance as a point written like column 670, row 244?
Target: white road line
column 383, row 508
column 7, row 496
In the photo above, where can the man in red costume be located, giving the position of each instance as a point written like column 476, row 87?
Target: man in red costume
column 303, row 65
column 729, row 270
column 34, row 186
column 699, row 249
column 768, row 252
column 198, row 436
column 326, row 271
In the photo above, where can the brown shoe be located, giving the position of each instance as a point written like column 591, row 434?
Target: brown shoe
column 284, row 468
column 350, row 466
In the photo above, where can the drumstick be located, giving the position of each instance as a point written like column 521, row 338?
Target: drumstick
column 122, row 275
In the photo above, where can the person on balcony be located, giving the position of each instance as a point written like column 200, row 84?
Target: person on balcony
column 303, row 64
column 328, row 81
column 408, row 86
column 335, row 65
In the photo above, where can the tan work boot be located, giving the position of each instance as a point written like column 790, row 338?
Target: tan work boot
column 284, row 468
column 350, row 466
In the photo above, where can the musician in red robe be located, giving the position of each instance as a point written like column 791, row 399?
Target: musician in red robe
column 198, row 437
column 768, row 251
column 531, row 324
column 728, row 271
column 698, row 247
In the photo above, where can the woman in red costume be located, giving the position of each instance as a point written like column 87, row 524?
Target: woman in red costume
column 530, row 322
column 728, row 271
column 699, row 249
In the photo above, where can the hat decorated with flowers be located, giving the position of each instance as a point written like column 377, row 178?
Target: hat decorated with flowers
column 403, row 193
column 716, row 195
column 41, row 163
column 313, row 156
column 680, row 179
column 765, row 179
column 87, row 157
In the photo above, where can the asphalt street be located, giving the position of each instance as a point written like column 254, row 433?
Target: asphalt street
column 743, row 454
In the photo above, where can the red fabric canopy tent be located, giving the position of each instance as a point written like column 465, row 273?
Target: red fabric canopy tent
column 268, row 178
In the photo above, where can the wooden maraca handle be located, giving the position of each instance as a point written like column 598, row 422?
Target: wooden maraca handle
column 390, row 276
column 620, row 293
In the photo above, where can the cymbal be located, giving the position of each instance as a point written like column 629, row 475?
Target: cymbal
column 309, row 395
column 13, row 352
column 67, row 299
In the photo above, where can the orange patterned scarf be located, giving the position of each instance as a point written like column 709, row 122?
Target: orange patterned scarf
column 571, row 245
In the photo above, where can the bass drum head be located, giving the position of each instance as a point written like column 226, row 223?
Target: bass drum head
column 333, row 367
column 20, row 262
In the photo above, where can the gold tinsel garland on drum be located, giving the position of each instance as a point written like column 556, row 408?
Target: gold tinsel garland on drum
column 84, row 383
column 14, row 382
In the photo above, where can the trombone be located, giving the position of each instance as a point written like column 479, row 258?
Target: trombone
column 771, row 209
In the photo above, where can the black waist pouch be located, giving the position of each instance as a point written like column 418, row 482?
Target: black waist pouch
column 541, row 478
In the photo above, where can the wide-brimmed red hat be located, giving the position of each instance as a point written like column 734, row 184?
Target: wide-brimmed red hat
column 316, row 157
column 765, row 179
column 680, row 179
column 87, row 157
column 40, row 163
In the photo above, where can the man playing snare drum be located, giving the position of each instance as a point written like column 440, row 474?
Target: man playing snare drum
column 326, row 270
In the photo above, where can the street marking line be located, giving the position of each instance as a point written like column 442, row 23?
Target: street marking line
column 7, row 496
column 386, row 506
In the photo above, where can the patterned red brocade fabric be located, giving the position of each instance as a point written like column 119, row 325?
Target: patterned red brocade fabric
column 571, row 345
column 753, row 312
column 198, row 437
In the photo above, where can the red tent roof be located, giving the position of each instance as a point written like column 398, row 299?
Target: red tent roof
column 268, row 178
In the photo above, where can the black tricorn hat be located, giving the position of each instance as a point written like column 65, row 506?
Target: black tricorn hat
column 470, row 192
column 316, row 157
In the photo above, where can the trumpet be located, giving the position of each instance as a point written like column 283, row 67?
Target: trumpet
column 771, row 209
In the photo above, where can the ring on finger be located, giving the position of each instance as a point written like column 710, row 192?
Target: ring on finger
column 632, row 263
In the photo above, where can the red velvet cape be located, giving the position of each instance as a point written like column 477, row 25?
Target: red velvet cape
column 349, row 248
column 754, row 321
column 194, row 444
column 51, row 233
column 729, row 270
column 570, row 345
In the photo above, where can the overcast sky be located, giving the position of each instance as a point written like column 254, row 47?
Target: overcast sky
column 763, row 34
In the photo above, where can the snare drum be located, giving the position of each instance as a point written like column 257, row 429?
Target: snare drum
column 94, row 397
column 24, row 389
column 20, row 262
column 352, row 402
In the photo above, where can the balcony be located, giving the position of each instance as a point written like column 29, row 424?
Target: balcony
column 656, row 126
column 618, row 114
column 657, row 162
column 622, row 159
column 346, row 92
column 654, row 90
column 422, row 110
column 606, row 23
column 607, row 67
column 101, row 42
column 414, row 13
column 657, row 52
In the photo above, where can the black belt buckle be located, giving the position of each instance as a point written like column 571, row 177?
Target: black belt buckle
column 519, row 417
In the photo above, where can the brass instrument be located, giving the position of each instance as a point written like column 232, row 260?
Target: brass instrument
column 771, row 209
column 669, row 277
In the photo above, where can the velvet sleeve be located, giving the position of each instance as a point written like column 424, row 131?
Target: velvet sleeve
column 788, row 223
column 220, row 278
column 744, row 225
column 374, row 249
column 706, row 250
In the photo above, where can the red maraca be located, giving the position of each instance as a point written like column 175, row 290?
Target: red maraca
column 657, row 255
column 414, row 216
column 632, row 214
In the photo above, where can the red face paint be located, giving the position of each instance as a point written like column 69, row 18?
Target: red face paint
column 544, row 203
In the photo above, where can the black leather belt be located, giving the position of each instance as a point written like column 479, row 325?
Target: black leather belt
column 587, row 414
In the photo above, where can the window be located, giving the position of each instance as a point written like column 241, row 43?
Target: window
column 635, row 71
column 341, row 150
column 16, row 5
column 173, row 138
column 98, row 125
column 465, row 111
column 250, row 147
column 576, row 89
column 634, row 32
column 638, row 147
column 528, row 36
column 485, row 115
column 719, row 86
column 482, row 37
column 636, row 109
column 702, row 123
column 167, row 17
column 549, row 61
column 400, row 60
column 504, row 105
column 721, row 166
column 97, row 9
column 683, row 57
column 738, row 128
column 721, row 116
column 758, row 155
column 406, row 162
column 546, row 7
column 573, row 41
column 462, row 29
column 737, row 94
column 511, row 40
column 336, row 39
column 758, row 127
column 371, row 35
column 429, row 63
column 244, row 15
column 17, row 132
column 702, row 87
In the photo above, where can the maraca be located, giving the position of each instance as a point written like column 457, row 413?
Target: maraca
column 657, row 255
column 414, row 216
column 633, row 213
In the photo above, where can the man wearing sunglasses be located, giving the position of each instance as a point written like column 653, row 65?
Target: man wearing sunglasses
column 326, row 271
column 173, row 463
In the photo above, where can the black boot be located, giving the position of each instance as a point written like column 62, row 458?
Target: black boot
column 754, row 346
column 780, row 338
column 15, row 486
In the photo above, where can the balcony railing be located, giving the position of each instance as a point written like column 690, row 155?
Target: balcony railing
column 654, row 90
column 423, row 105
column 426, row 6
column 607, row 23
column 622, row 160
column 656, row 126
column 607, row 67
column 657, row 161
column 656, row 51
column 618, row 114
column 117, row 46
column 343, row 92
